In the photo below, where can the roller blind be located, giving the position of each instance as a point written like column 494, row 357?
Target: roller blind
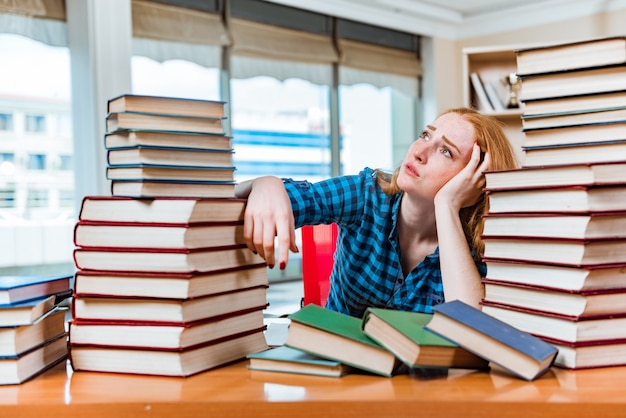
column 45, row 9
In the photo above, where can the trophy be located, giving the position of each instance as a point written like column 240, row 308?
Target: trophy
column 513, row 84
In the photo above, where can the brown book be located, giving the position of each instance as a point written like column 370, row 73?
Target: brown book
column 165, row 105
column 556, row 225
column 163, row 122
column 169, row 285
column 161, row 362
column 150, row 335
column 167, row 156
column 138, row 172
column 172, row 188
column 556, row 175
column 157, row 235
column 152, row 138
column 161, row 209
column 163, row 260
column 564, row 199
column 556, row 277
column 167, row 311
column 571, row 55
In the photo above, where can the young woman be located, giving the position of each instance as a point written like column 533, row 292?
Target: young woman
column 406, row 241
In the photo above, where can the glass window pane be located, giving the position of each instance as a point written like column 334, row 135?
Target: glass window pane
column 35, row 127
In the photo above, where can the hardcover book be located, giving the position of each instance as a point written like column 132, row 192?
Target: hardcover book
column 167, row 311
column 577, row 118
column 172, row 188
column 14, row 289
column 20, row 368
column 291, row 360
column 168, row 156
column 157, row 235
column 159, row 260
column 166, row 105
column 169, row 285
column 607, row 152
column 557, row 175
column 127, row 138
column 577, row 135
column 161, row 209
column 26, row 312
column 585, row 102
column 162, row 362
column 159, row 335
column 516, row 351
column 404, row 334
column 137, row 172
column 163, row 122
column 336, row 336
column 18, row 339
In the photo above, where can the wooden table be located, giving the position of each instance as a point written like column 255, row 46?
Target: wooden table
column 235, row 391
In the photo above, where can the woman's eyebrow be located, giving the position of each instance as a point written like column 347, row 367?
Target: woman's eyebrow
column 450, row 143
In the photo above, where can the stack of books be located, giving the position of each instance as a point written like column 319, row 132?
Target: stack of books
column 165, row 284
column 33, row 337
column 555, row 234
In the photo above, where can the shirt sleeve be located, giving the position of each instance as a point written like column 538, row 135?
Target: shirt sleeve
column 336, row 200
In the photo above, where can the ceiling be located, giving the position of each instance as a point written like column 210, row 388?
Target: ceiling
column 456, row 19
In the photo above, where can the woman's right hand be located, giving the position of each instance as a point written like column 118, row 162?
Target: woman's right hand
column 268, row 215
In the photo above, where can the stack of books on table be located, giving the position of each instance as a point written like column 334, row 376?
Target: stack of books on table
column 555, row 234
column 165, row 284
column 33, row 337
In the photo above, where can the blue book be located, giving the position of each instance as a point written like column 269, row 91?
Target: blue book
column 291, row 360
column 15, row 289
column 513, row 350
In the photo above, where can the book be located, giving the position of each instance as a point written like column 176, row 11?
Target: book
column 582, row 303
column 162, row 122
column 568, row 252
column 577, row 154
column 26, row 312
column 127, row 138
column 571, row 55
column 403, row 334
column 161, row 209
column 581, row 103
column 336, row 336
column 138, row 172
column 518, row 352
column 18, row 339
column 20, row 368
column 494, row 97
column 556, row 277
column 201, row 260
column 596, row 133
column 566, row 199
column 169, row 285
column 577, row 82
column 15, row 289
column 557, row 327
column 586, row 356
column 479, row 89
column 148, row 335
column 576, row 118
column 286, row 359
column 157, row 235
column 165, row 105
column 167, row 311
column 182, row 363
column 556, row 225
column 172, row 188
column 168, row 156
column 557, row 175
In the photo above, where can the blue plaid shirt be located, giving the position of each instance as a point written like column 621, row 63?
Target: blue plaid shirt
column 367, row 271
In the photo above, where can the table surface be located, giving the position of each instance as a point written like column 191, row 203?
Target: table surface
column 234, row 390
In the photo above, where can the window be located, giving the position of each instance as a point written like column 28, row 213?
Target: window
column 37, row 198
column 6, row 122
column 35, row 123
column 7, row 197
column 66, row 162
column 36, row 162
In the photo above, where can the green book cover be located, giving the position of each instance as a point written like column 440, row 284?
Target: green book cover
column 333, row 335
column 291, row 360
column 411, row 324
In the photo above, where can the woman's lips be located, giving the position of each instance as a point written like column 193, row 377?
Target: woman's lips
column 411, row 170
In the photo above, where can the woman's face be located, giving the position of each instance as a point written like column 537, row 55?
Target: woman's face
column 443, row 149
